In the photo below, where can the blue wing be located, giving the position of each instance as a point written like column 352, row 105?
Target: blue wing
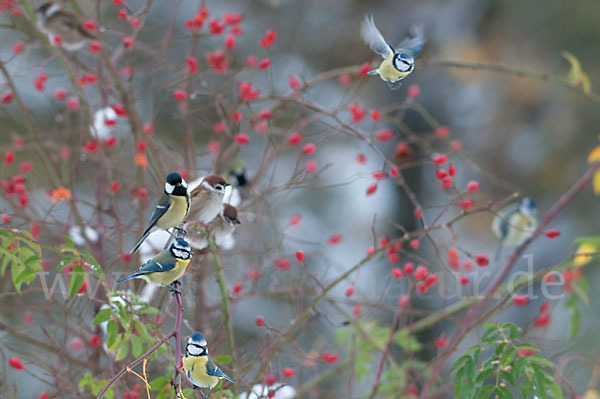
column 163, row 262
column 161, row 208
column 415, row 43
column 214, row 371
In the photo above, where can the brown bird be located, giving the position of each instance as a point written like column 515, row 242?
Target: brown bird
column 62, row 27
column 207, row 199
column 221, row 228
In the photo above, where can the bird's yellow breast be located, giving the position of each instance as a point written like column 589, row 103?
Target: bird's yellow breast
column 165, row 278
column 388, row 72
column 195, row 368
column 177, row 211
column 520, row 228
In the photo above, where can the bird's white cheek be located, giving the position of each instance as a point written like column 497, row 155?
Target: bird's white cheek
column 169, row 188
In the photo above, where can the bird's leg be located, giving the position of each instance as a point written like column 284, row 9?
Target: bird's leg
column 208, row 394
column 173, row 287
column 394, row 85
column 181, row 232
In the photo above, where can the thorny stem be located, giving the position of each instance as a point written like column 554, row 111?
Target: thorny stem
column 175, row 332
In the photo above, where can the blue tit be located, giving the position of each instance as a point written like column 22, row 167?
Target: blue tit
column 397, row 63
column 237, row 173
column 515, row 223
column 173, row 206
column 166, row 267
column 199, row 367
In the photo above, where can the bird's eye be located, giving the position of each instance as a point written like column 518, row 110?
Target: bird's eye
column 219, row 187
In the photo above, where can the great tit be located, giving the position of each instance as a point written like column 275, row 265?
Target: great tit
column 207, row 199
column 57, row 23
column 397, row 63
column 166, row 267
column 237, row 173
column 515, row 223
column 221, row 229
column 172, row 208
column 199, row 367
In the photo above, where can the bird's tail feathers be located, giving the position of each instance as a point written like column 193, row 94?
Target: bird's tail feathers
column 139, row 243
column 498, row 251
column 127, row 278
column 229, row 379
column 373, row 72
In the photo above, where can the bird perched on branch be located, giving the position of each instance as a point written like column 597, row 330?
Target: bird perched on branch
column 172, row 208
column 221, row 229
column 199, row 367
column 166, row 267
column 62, row 27
column 515, row 223
column 397, row 62
column 207, row 199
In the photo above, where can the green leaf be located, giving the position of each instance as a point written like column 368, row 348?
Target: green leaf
column 485, row 392
column 459, row 362
column 503, row 392
column 540, row 386
column 142, row 330
column 224, row 359
column 112, row 327
column 458, row 382
column 526, row 388
column 506, row 376
column 148, row 310
column 76, row 281
column 122, row 353
column 136, row 346
column 540, row 360
column 408, row 342
column 26, row 276
column 159, row 383
column 102, row 316
column 579, row 288
column 575, row 322
column 508, row 356
column 555, row 390
column 484, row 375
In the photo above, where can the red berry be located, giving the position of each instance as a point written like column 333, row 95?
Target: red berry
column 350, row 291
column 192, row 64
column 422, row 288
column 5, row 218
column 418, row 213
column 473, row 186
column 408, row 267
column 370, row 250
column 439, row 159
column 414, row 244
column 394, row 171
column 403, row 301
column 334, row 239
column 309, row 148
column 385, row 135
column 442, row 131
column 44, row 395
column 295, row 220
column 452, row 170
column 28, row 318
column 300, row 256
column 16, row 363
column 95, row 340
column 288, row 372
column 464, row 280
column 282, row 264
column 397, row 273
column 520, row 300
column 294, row 139
column 89, row 25
column 379, row 175
column 270, row 380
column 372, row 189
column 361, row 158
column 431, row 280
column 9, row 157
column 482, row 260
column 179, row 95
column 364, row 69
column 329, row 357
column 413, row 91
column 259, row 321
column 263, row 64
column 420, row 273
column 230, row 42
column 440, row 342
column 17, row 48
column 7, row 98
column 128, row 42
column 542, row 320
column 269, row 38
column 357, row 310
column 237, row 288
column 545, row 307
column 375, row 115
column 293, row 82
column 393, row 257
column 241, row 138
column 456, row 146
column 552, row 233
column 311, row 166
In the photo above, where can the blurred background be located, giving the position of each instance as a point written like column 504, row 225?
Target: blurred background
column 518, row 135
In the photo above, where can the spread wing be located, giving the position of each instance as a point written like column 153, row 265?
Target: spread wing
column 161, row 208
column 163, row 262
column 371, row 35
column 415, row 43
column 214, row 371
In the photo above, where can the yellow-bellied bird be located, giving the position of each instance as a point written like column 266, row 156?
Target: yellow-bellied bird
column 515, row 223
column 173, row 206
column 397, row 62
column 199, row 367
column 166, row 267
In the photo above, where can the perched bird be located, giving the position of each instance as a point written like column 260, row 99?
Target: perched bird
column 199, row 367
column 62, row 27
column 166, row 267
column 237, row 173
column 397, row 63
column 173, row 206
column 207, row 199
column 221, row 229
column 515, row 223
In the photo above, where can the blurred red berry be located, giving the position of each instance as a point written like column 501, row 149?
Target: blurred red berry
column 263, row 64
column 115, row 186
column 5, row 218
column 216, row 27
column 282, row 264
column 456, row 146
column 552, row 233
column 349, row 291
column 439, row 159
column 295, row 220
column 40, row 81
column 463, row 280
column 397, row 273
column 192, row 64
column 241, row 138
column 73, row 103
column 357, row 113
column 413, row 91
column 9, row 157
column 442, row 131
column 334, row 239
column 179, row 95
column 88, row 24
column 440, row 342
column 431, row 280
column 309, row 148
column 300, row 256
column 293, row 82
column 237, row 288
column 394, row 171
column 311, row 166
column 7, row 98
column 344, row 79
column 259, row 321
column 269, row 38
column 17, row 48
column 371, row 189
column 543, row 320
column 420, row 273
column 452, row 170
column 385, row 135
column 288, row 372
column 403, row 301
column 16, row 363
column 44, row 395
column 357, row 310
column 329, row 357
column 230, row 41
column 28, row 318
column 408, row 267
column 472, row 186
column 414, row 244
column 294, row 139
column 482, row 260
column 520, row 300
column 375, row 115
column 364, row 69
